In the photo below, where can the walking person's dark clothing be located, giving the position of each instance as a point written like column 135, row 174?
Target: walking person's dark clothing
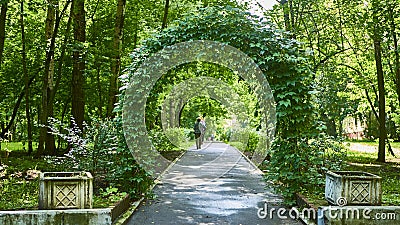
column 197, row 133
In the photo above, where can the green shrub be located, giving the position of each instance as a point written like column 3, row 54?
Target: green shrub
column 248, row 137
column 225, row 136
column 103, row 151
column 159, row 140
column 189, row 134
column 176, row 135
column 300, row 165
column 252, row 142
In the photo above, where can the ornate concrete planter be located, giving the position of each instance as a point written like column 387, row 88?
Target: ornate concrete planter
column 65, row 190
column 353, row 188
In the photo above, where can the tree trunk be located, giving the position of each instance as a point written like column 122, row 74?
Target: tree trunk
column 15, row 110
column 292, row 21
column 286, row 14
column 396, row 53
column 78, row 95
column 331, row 127
column 116, row 56
column 46, row 140
column 381, row 85
column 135, row 36
column 62, row 54
column 3, row 16
column 61, row 59
column 165, row 18
column 99, row 90
column 26, row 79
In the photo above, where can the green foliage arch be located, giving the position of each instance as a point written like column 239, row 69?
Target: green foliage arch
column 282, row 60
column 284, row 64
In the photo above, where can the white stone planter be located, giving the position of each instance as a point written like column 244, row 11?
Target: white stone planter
column 65, row 190
column 353, row 188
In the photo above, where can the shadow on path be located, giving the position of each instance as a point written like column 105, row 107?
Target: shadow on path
column 213, row 185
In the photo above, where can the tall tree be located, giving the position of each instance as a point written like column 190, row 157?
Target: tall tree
column 3, row 15
column 377, row 39
column 26, row 79
column 287, row 13
column 116, row 55
column 46, row 140
column 78, row 80
column 396, row 50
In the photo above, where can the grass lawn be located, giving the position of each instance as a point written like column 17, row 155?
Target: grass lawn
column 376, row 143
column 16, row 146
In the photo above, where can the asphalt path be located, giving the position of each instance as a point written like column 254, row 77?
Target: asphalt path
column 213, row 185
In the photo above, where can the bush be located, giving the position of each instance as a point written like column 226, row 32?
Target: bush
column 248, row 137
column 170, row 138
column 159, row 140
column 189, row 134
column 253, row 141
column 226, row 135
column 101, row 149
column 176, row 135
column 300, row 165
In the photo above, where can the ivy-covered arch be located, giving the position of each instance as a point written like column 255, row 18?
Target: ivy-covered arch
column 281, row 60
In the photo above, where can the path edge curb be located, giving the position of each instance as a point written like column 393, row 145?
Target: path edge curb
column 248, row 160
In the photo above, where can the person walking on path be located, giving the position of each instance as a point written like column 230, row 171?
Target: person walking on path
column 203, row 128
column 197, row 133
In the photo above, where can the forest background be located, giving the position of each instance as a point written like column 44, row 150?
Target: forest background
column 62, row 60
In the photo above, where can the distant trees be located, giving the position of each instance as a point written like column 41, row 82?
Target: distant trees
column 356, row 60
column 67, row 61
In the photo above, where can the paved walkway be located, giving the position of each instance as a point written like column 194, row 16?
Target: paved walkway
column 213, row 185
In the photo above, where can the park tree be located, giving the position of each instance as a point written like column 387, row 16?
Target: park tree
column 26, row 82
column 3, row 15
column 116, row 55
column 364, row 58
column 377, row 40
column 82, row 64
column 46, row 140
column 78, row 80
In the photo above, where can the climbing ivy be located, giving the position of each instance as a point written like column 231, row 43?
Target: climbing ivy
column 283, row 62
